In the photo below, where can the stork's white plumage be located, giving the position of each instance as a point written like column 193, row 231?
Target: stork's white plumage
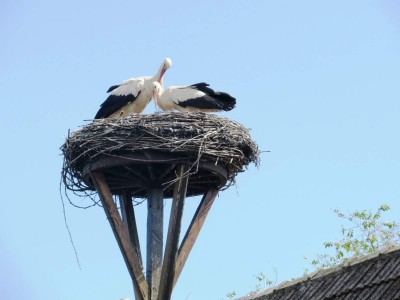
column 132, row 95
column 195, row 97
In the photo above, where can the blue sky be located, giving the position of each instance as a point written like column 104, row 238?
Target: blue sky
column 316, row 82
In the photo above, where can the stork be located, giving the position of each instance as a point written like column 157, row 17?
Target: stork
column 132, row 95
column 195, row 97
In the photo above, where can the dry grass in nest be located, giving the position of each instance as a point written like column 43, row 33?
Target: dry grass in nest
column 199, row 136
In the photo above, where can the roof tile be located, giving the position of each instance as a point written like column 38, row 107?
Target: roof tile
column 374, row 277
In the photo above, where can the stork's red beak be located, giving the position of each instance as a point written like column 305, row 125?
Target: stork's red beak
column 162, row 74
column 155, row 96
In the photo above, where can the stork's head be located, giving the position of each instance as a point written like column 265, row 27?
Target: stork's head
column 157, row 90
column 167, row 63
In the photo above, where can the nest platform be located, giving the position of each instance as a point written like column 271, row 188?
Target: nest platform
column 141, row 152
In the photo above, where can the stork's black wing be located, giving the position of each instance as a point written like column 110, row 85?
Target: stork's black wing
column 113, row 87
column 211, row 99
column 114, row 103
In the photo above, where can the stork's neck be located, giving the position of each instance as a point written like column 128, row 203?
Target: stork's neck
column 159, row 74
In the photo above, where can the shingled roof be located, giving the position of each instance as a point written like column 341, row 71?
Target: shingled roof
column 375, row 276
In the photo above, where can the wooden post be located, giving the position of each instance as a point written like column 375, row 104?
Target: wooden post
column 128, row 217
column 171, row 249
column 131, row 260
column 154, row 240
column 129, row 220
column 193, row 231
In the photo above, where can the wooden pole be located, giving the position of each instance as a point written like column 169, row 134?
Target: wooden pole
column 129, row 220
column 193, row 231
column 171, row 248
column 154, row 240
column 131, row 260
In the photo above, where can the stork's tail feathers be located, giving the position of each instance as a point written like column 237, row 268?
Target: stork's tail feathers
column 221, row 100
column 226, row 101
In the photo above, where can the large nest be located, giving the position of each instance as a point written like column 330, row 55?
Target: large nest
column 193, row 138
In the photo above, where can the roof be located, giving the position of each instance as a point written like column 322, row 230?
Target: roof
column 376, row 276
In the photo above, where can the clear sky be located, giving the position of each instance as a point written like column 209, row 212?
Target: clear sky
column 316, row 81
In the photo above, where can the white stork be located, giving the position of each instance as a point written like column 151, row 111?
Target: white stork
column 195, row 97
column 132, row 95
